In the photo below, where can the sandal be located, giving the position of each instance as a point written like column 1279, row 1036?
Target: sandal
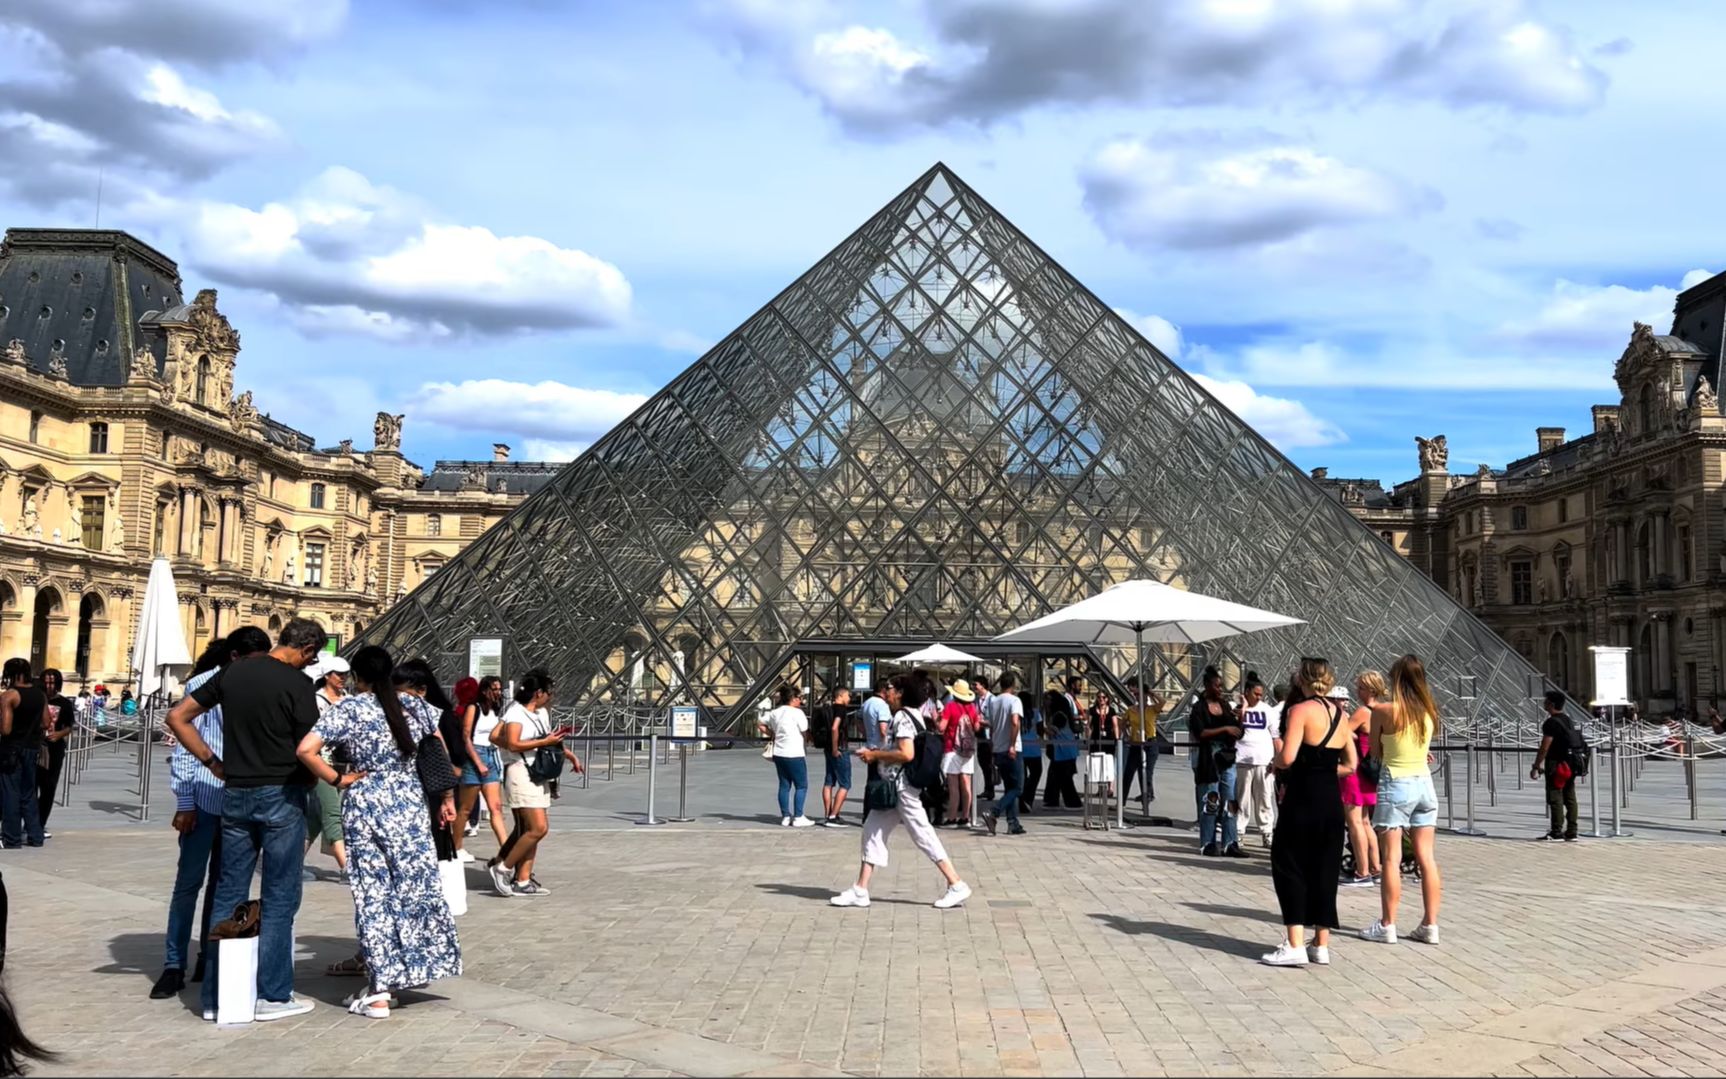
column 353, row 967
column 370, row 1005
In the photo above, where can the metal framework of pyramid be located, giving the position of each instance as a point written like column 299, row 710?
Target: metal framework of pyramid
column 936, row 433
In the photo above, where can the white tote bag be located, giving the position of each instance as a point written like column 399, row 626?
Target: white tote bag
column 236, row 980
column 454, row 882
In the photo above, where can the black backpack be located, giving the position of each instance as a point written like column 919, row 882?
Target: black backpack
column 923, row 771
column 821, row 727
column 1577, row 753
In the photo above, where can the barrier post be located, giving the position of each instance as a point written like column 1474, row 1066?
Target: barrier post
column 1617, row 802
column 1690, row 768
column 1120, row 784
column 1491, row 774
column 610, row 754
column 1594, row 806
column 652, row 777
column 1470, row 761
column 1449, row 799
column 144, row 725
column 683, row 816
column 586, row 758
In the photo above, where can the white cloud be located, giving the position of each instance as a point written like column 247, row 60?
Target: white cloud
column 1178, row 192
column 981, row 61
column 1397, row 363
column 552, row 416
column 1596, row 318
column 543, row 449
column 1283, row 421
column 358, row 257
column 1157, row 330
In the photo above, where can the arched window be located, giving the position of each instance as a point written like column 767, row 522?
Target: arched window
column 1645, row 409
column 434, row 524
column 202, row 386
column 89, row 609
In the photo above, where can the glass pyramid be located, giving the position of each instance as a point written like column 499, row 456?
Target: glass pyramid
column 935, row 433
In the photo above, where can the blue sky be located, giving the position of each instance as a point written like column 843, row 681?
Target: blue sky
column 1359, row 220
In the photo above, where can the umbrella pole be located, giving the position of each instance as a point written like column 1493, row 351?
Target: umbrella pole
column 1121, row 743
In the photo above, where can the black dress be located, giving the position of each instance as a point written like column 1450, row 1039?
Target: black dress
column 1306, row 856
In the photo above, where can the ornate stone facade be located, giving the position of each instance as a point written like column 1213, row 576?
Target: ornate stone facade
column 1614, row 538
column 127, row 440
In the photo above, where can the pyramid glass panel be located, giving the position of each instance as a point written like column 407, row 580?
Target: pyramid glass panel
column 935, row 433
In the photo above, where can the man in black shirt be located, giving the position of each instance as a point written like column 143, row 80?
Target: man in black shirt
column 1555, row 741
column 268, row 705
column 22, row 705
column 55, row 731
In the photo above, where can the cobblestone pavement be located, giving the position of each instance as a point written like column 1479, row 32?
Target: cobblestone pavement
column 710, row 950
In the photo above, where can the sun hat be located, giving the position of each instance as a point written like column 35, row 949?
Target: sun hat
column 962, row 691
column 1338, row 691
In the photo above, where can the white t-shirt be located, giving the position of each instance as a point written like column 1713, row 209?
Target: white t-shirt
column 999, row 711
column 1258, row 724
column 788, row 724
column 483, row 724
column 534, row 724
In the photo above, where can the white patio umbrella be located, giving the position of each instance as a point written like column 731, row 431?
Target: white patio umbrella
column 161, row 643
column 939, row 655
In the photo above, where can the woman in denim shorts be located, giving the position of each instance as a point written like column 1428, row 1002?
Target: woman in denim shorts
column 1402, row 730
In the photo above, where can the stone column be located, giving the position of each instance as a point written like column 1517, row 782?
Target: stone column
column 188, row 521
column 1661, row 662
column 119, row 643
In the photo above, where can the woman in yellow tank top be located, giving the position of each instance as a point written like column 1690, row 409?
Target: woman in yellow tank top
column 1402, row 730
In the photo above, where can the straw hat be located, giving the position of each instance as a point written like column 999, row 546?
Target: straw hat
column 962, row 691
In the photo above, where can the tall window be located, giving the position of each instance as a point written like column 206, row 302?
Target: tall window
column 98, row 438
column 434, row 525
column 317, row 496
column 314, row 565
column 1684, row 552
column 428, row 569
column 1522, row 583
column 1519, row 518
column 202, row 386
column 94, row 511
column 1647, row 409
column 1563, row 510
column 161, row 528
column 35, row 427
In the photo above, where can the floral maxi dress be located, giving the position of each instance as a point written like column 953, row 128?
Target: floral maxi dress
column 404, row 924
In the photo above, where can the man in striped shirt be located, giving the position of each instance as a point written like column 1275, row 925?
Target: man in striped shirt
column 198, row 819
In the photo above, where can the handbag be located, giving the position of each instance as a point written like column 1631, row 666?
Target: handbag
column 880, row 793
column 545, row 764
column 431, row 761
column 454, row 881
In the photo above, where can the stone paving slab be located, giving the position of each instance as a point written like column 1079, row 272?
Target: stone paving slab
column 710, row 950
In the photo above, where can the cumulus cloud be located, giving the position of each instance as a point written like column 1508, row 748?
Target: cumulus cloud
column 1157, row 330
column 91, row 84
column 555, row 418
column 1596, row 318
column 1283, row 421
column 353, row 256
column 1175, row 192
column 980, row 61
column 547, row 449
column 1397, row 362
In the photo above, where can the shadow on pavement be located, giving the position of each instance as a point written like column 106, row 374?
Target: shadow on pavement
column 810, row 891
column 1227, row 911
column 1184, row 934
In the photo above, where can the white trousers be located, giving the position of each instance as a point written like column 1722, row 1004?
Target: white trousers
column 879, row 824
column 1256, row 793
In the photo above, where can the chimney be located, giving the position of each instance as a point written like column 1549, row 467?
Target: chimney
column 499, row 451
column 1549, row 438
column 1605, row 418
column 1320, row 473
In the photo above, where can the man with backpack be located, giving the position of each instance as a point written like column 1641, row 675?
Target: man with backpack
column 1561, row 743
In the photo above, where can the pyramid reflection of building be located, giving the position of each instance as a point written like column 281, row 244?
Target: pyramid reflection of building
column 934, row 434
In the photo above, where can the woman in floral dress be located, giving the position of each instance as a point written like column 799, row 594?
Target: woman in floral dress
column 405, row 928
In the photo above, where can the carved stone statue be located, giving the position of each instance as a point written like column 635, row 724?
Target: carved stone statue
column 288, row 569
column 31, row 526
column 1479, row 594
column 57, row 366
column 345, row 446
column 474, row 476
column 1540, row 590
column 1706, row 399
column 387, row 431
column 241, row 412
column 15, row 352
column 1434, row 453
column 143, row 363
column 372, row 579
column 76, row 531
column 116, row 539
column 1569, row 584
column 269, row 557
column 56, row 538
column 1483, row 472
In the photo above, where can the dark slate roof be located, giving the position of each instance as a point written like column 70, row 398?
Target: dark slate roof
column 1560, row 457
column 80, row 292
column 1370, row 493
column 512, row 477
column 280, row 434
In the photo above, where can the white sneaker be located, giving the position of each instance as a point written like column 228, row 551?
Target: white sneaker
column 1318, row 953
column 1378, row 931
column 1426, row 934
column 955, row 895
column 784, row 822
column 502, row 881
column 463, row 856
column 267, row 1010
column 851, row 897
column 802, row 822
column 1286, row 955
column 470, row 830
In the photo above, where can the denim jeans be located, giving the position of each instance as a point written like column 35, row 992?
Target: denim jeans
column 268, row 822
column 793, row 772
column 20, row 819
column 199, row 867
column 1033, row 776
column 1213, row 800
column 1141, row 763
column 1012, row 772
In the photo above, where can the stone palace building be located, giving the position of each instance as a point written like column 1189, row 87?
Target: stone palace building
column 122, row 437
column 1617, row 537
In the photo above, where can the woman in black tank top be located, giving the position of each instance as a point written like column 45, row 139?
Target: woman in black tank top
column 1306, row 856
column 22, row 705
